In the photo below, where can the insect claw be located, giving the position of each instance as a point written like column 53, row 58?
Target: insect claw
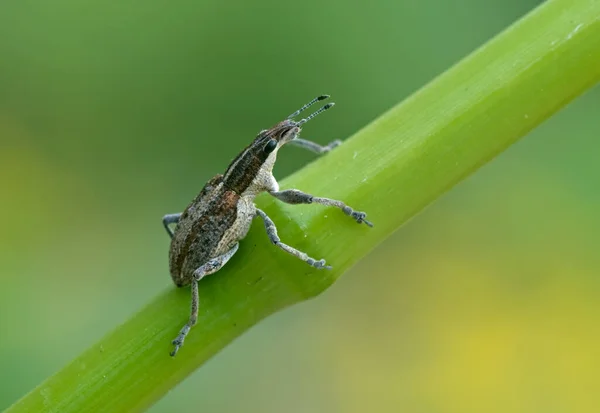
column 320, row 265
column 177, row 343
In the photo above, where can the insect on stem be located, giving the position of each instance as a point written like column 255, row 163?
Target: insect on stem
column 208, row 232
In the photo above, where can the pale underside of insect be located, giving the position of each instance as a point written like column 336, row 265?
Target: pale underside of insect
column 207, row 233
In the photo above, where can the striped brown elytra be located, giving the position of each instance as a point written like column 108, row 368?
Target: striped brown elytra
column 208, row 231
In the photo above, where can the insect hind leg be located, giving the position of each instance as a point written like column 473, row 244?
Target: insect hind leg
column 210, row 267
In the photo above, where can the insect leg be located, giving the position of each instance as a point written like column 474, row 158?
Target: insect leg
column 210, row 267
column 294, row 196
column 274, row 238
column 313, row 146
column 178, row 341
column 170, row 219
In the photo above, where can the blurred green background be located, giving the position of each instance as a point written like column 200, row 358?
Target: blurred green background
column 115, row 113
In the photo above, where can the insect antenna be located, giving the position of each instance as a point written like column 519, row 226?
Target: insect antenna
column 312, row 115
column 309, row 104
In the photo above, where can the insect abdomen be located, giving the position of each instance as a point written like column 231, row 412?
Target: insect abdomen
column 200, row 231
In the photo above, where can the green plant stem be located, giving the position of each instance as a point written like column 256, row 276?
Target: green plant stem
column 392, row 169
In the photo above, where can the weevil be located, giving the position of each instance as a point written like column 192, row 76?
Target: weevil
column 208, row 231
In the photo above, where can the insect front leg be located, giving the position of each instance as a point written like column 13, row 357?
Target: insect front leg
column 294, row 196
column 274, row 238
column 315, row 147
column 170, row 219
column 210, row 267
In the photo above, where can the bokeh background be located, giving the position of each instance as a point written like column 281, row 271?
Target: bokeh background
column 113, row 113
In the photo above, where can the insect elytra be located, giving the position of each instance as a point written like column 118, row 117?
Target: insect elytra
column 208, row 231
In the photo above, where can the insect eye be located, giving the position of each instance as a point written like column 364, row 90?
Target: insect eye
column 270, row 147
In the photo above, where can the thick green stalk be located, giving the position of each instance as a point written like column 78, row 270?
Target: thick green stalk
column 392, row 168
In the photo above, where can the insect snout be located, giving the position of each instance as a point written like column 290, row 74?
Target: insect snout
column 289, row 133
